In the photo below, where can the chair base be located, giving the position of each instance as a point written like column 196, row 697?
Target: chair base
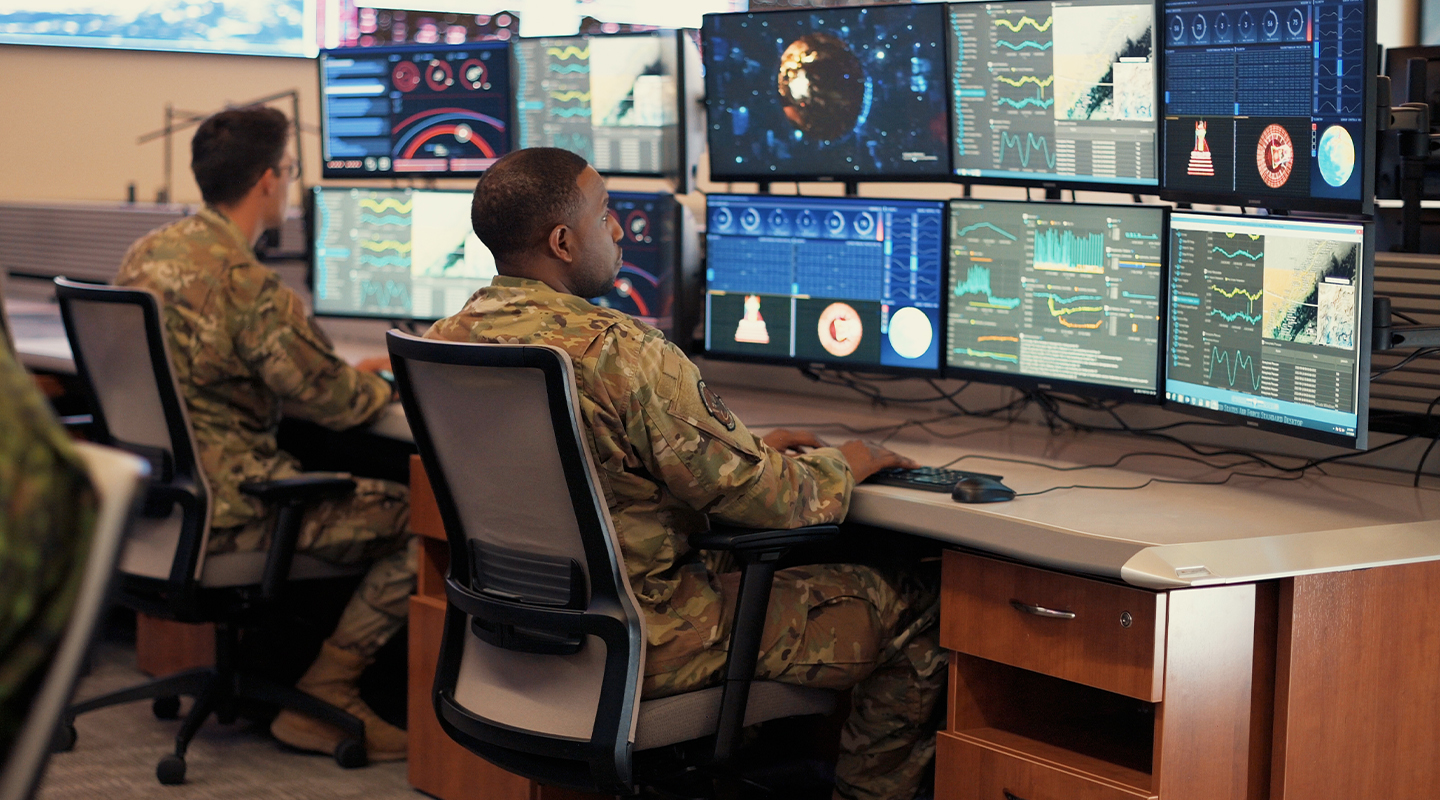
column 218, row 690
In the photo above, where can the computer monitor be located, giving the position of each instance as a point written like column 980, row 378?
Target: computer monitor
column 1270, row 105
column 842, row 93
column 851, row 282
column 649, row 286
column 613, row 99
column 431, row 110
column 1062, row 93
column 1269, row 322
column 395, row 253
column 1057, row 296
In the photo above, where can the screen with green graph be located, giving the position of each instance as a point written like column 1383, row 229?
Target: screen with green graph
column 1057, row 295
column 1268, row 321
column 1061, row 92
column 395, row 253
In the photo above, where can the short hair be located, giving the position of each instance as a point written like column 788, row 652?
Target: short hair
column 233, row 149
column 523, row 196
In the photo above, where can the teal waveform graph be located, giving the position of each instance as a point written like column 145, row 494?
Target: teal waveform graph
column 977, row 282
column 1234, row 361
column 1066, row 252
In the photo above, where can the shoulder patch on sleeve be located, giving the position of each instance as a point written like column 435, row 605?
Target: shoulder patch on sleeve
column 716, row 406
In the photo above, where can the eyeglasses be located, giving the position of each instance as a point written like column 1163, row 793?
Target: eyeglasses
column 290, row 171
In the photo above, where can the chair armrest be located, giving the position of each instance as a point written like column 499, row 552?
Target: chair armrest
column 759, row 541
column 301, row 488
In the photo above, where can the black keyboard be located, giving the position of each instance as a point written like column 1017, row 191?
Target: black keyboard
column 930, row 479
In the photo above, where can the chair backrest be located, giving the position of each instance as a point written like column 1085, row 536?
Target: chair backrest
column 543, row 653
column 122, row 359
column 118, row 479
column 7, row 333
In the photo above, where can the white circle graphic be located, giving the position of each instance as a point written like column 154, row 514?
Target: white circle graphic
column 910, row 332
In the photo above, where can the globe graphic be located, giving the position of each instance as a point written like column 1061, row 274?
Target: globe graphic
column 821, row 85
column 1337, row 155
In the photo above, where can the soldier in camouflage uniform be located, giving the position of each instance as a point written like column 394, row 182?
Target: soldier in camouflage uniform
column 47, row 513
column 245, row 352
column 670, row 453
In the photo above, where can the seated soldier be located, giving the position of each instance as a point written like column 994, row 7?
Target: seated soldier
column 670, row 453
column 245, row 351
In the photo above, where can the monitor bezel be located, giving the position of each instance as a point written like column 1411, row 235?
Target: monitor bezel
column 677, row 59
column 1033, row 383
column 328, row 173
column 703, row 347
column 313, row 198
column 942, row 175
column 1360, row 441
column 1368, row 153
column 1050, row 182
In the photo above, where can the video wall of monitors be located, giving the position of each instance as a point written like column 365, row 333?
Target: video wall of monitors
column 851, row 282
column 1060, row 296
column 395, row 253
column 842, row 93
column 1270, row 105
column 1269, row 323
column 612, row 99
column 427, row 111
column 1060, row 93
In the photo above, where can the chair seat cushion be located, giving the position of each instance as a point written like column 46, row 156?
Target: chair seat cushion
column 244, row 569
column 682, row 717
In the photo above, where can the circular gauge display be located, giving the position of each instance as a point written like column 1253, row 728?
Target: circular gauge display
column 406, row 76
column 1270, row 23
column 723, row 218
column 1222, row 25
column 864, row 223
column 835, row 223
column 1199, row 27
column 750, row 219
column 1176, row 29
column 840, row 329
column 438, row 75
column 474, row 76
column 778, row 221
column 1247, row 25
column 805, row 220
column 910, row 332
column 637, row 227
column 1295, row 23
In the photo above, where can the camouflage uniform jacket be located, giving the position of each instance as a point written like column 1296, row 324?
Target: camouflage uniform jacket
column 47, row 512
column 244, row 350
column 668, row 453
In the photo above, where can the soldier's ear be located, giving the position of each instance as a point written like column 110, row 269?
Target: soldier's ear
column 561, row 243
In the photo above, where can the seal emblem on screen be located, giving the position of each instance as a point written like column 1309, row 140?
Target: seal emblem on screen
column 716, row 406
column 1275, row 156
column 840, row 329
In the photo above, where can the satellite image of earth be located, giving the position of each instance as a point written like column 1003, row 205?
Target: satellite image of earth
column 822, row 85
column 1337, row 155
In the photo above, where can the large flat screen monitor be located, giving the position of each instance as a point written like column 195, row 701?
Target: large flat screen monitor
column 1062, row 296
column 613, row 99
column 1058, row 92
column 1270, row 323
column 843, row 93
column 427, row 111
column 395, row 253
column 1270, row 104
column 255, row 27
column 650, row 285
column 855, row 283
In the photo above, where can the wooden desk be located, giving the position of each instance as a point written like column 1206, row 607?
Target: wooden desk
column 1291, row 639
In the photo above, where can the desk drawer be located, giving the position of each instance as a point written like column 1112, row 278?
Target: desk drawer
column 1081, row 630
column 991, row 765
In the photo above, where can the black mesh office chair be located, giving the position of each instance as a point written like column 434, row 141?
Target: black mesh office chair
column 544, row 647
column 123, row 361
column 118, row 479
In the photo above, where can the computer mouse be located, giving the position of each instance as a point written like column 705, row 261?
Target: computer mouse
column 976, row 489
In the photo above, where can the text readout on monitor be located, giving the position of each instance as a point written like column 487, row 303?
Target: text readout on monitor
column 396, row 253
column 395, row 111
column 853, row 282
column 1265, row 319
column 1049, row 292
column 1264, row 103
column 836, row 92
column 611, row 99
column 1058, row 91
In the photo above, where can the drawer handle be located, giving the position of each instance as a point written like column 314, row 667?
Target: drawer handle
column 1042, row 611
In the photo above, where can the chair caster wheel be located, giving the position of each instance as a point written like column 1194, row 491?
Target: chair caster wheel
column 166, row 707
column 64, row 739
column 350, row 754
column 171, row 770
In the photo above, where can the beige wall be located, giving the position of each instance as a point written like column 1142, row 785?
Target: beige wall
column 71, row 116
